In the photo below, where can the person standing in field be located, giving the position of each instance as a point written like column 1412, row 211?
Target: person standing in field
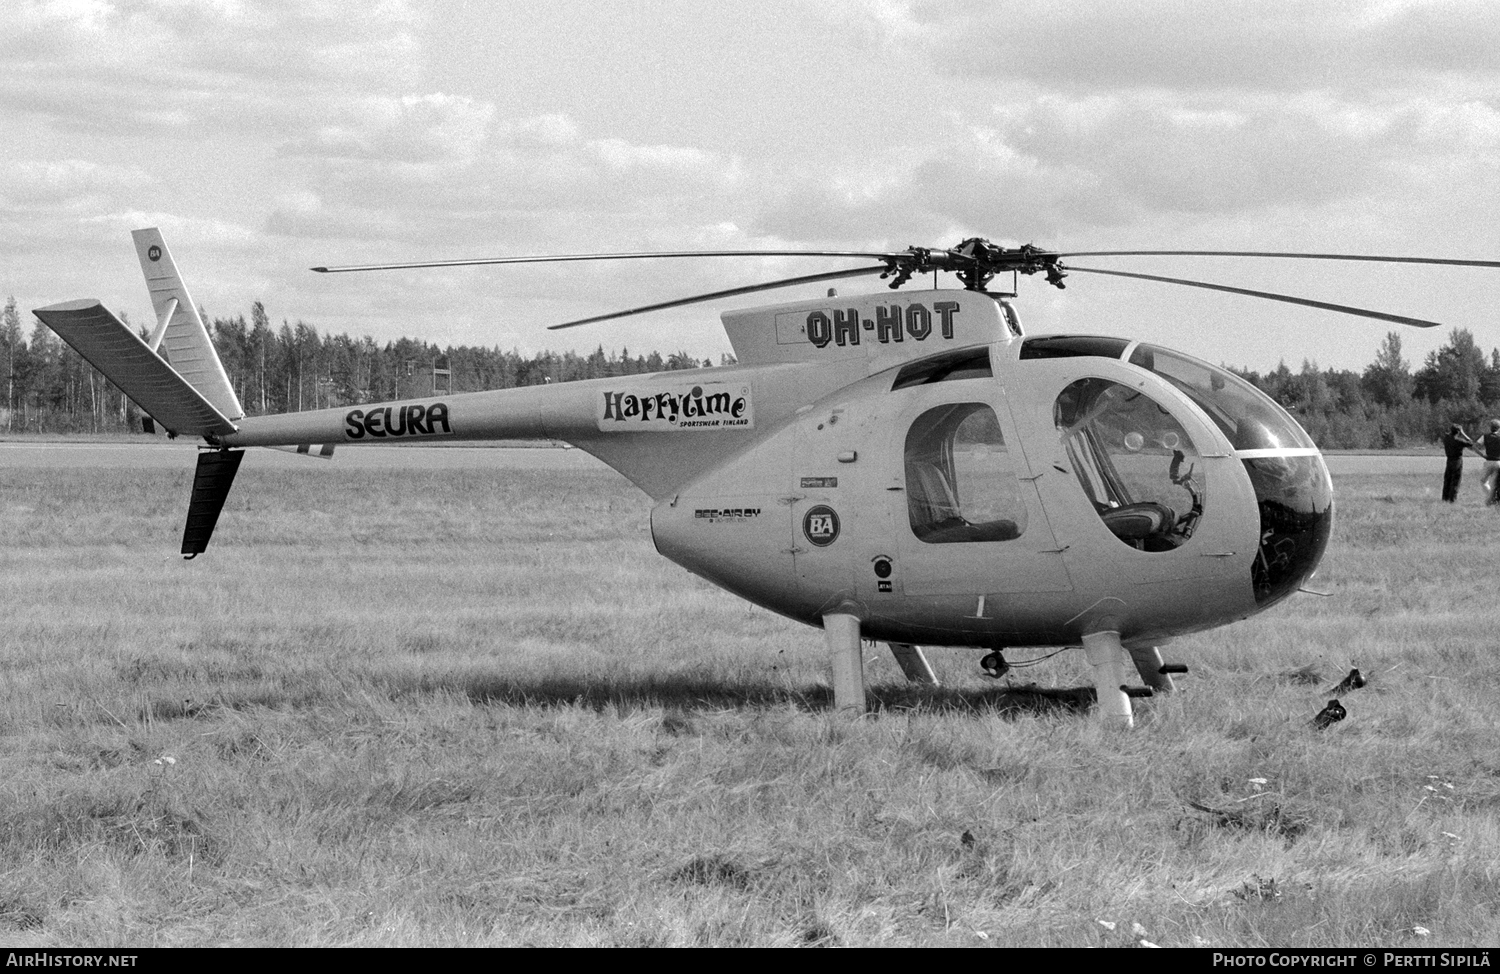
column 1489, row 448
column 1455, row 442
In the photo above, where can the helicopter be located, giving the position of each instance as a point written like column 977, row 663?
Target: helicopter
column 910, row 467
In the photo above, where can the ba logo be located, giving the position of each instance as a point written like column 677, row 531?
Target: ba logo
column 821, row 525
column 154, row 252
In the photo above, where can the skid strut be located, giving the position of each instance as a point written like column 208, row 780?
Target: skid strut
column 913, row 663
column 841, row 633
column 1107, row 657
column 1154, row 673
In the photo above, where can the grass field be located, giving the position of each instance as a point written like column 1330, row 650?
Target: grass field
column 472, row 706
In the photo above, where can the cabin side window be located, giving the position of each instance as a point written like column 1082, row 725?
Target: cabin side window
column 961, row 478
column 1134, row 460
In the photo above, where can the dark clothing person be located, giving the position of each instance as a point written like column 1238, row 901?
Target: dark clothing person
column 1455, row 442
column 1489, row 446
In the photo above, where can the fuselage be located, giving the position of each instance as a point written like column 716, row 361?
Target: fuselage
column 1018, row 494
column 915, row 460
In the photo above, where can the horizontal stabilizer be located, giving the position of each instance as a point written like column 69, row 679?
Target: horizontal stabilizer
column 211, row 483
column 127, row 361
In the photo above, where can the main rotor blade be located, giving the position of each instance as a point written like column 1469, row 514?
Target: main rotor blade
column 1345, row 309
column 1250, row 253
column 748, row 289
column 556, row 258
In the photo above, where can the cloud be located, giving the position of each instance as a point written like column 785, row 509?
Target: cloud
column 270, row 135
column 417, row 174
column 65, row 182
column 1145, row 152
column 1265, row 45
column 555, row 142
column 1068, row 165
column 1075, row 120
column 224, row 236
column 163, row 65
column 436, row 130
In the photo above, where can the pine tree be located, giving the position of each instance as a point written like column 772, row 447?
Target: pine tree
column 10, row 337
column 1388, row 380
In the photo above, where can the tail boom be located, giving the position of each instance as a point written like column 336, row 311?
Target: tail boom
column 505, row 414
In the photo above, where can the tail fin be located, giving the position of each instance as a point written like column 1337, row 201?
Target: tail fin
column 211, row 483
column 187, row 391
column 180, row 329
column 112, row 348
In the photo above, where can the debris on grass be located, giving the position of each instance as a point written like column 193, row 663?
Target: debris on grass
column 1258, row 890
column 1353, row 681
column 714, row 870
column 819, row 934
column 20, row 914
column 1265, row 816
column 1330, row 715
column 1308, row 675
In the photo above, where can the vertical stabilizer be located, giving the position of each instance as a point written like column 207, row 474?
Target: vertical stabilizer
column 211, row 483
column 179, row 329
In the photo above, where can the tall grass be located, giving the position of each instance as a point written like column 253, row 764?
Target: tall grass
column 474, row 707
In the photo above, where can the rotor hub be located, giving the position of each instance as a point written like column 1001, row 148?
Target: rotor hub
column 974, row 262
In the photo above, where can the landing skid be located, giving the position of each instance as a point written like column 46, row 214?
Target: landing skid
column 1106, row 655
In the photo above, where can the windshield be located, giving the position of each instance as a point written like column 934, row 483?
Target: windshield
column 1292, row 488
column 1249, row 418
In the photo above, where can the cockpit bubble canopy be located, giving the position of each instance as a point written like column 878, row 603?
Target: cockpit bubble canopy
column 1292, row 486
column 1248, row 417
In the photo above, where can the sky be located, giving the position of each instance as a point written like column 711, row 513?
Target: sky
column 265, row 137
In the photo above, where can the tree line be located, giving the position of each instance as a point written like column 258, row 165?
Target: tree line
column 1389, row 404
column 50, row 388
